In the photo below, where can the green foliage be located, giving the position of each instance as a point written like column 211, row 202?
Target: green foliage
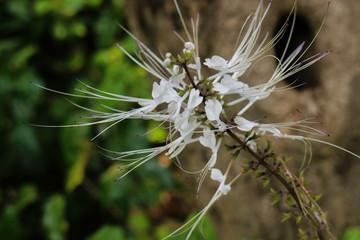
column 352, row 233
column 108, row 232
column 10, row 224
column 53, row 220
column 54, row 184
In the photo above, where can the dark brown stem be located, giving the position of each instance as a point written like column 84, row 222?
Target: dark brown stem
column 184, row 65
column 261, row 160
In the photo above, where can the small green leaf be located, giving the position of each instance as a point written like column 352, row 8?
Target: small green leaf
column 289, row 201
column 266, row 182
column 27, row 194
column 286, row 159
column 302, row 234
column 139, row 221
column 301, row 174
column 317, row 197
column 76, row 173
column 298, row 218
column 108, row 232
column 275, row 195
column 286, row 217
column 53, row 219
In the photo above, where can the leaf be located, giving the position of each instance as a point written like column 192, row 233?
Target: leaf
column 266, row 182
column 76, row 173
column 286, row 217
column 139, row 221
column 26, row 195
column 302, row 234
column 53, row 219
column 275, row 195
column 108, row 232
column 317, row 197
column 289, row 201
column 352, row 233
column 156, row 133
column 10, row 227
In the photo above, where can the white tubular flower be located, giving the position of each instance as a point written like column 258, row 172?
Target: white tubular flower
column 262, row 129
column 243, row 124
column 217, row 175
column 209, row 139
column 163, row 92
column 217, row 63
column 194, row 100
column 177, row 80
column 229, row 85
column 213, row 109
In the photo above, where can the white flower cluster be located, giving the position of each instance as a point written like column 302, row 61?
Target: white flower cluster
column 192, row 105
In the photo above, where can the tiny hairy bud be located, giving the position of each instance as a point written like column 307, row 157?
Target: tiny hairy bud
column 167, row 62
column 176, row 69
column 189, row 46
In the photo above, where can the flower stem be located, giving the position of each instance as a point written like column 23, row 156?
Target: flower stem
column 184, row 65
column 261, row 161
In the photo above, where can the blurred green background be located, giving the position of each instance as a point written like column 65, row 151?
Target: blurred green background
column 54, row 183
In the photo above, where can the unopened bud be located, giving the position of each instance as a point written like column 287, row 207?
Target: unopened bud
column 168, row 55
column 189, row 46
column 167, row 62
column 176, row 69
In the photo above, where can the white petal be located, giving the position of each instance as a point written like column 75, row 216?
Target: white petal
column 217, row 63
column 225, row 189
column 216, row 175
column 208, row 140
column 243, row 124
column 194, row 99
column 213, row 109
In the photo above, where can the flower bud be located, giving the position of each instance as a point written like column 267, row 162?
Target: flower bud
column 189, row 46
column 176, row 69
column 167, row 62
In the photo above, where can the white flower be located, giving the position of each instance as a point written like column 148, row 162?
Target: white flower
column 194, row 99
column 177, row 80
column 243, row 124
column 213, row 109
column 217, row 175
column 163, row 92
column 209, row 139
column 217, row 63
column 230, row 85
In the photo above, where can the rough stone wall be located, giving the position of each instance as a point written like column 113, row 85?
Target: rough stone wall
column 331, row 93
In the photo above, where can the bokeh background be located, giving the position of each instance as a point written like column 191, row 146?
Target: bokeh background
column 54, row 183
